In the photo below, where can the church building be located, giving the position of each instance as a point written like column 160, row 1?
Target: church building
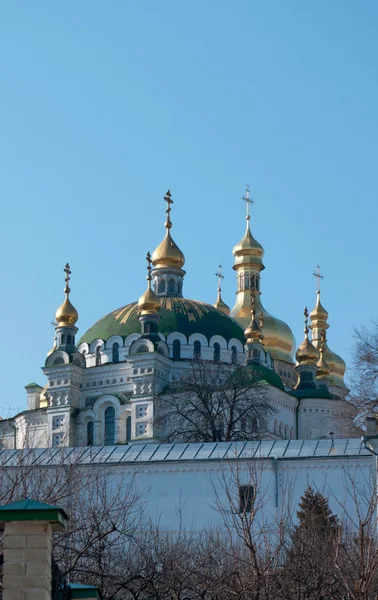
column 103, row 388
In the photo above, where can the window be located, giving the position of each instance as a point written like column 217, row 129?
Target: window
column 275, row 427
column 63, row 339
column 116, row 352
column 57, row 440
column 245, row 498
column 257, row 283
column 255, row 424
column 141, row 428
column 58, row 422
column 286, row 432
column 252, row 282
column 176, row 350
column 128, row 429
column 161, row 286
column 171, row 286
column 216, row 352
column 142, row 349
column 141, row 411
column 90, row 429
column 243, row 424
column 197, row 350
column 109, row 426
column 280, row 430
column 233, row 354
column 68, row 339
column 98, row 356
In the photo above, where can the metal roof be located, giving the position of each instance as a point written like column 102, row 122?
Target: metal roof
column 153, row 453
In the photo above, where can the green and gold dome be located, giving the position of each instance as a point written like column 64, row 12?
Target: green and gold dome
column 176, row 315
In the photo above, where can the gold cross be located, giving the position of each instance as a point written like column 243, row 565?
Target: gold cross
column 169, row 201
column 318, row 277
column 149, row 268
column 67, row 278
column 248, row 200
column 220, row 276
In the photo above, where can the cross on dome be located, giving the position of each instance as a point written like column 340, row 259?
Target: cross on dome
column 67, row 278
column 169, row 201
column 220, row 276
column 318, row 276
column 149, row 268
column 248, row 200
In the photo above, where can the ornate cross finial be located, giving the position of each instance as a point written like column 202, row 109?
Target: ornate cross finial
column 67, row 278
column 317, row 274
column 220, row 276
column 248, row 200
column 169, row 201
column 323, row 338
column 54, row 322
column 149, row 268
column 305, row 312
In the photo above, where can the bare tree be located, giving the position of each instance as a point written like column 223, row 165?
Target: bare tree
column 364, row 378
column 212, row 402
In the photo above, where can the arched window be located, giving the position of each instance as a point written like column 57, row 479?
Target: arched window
column 197, row 350
column 63, row 339
column 142, row 349
column 216, row 352
column 161, row 286
column 109, row 426
column 233, row 354
column 252, row 285
column 257, row 282
column 286, row 432
column 171, row 286
column 116, row 352
column 176, row 350
column 180, row 287
column 280, row 432
column 90, row 427
column 128, row 429
column 98, row 356
column 275, row 427
column 68, row 339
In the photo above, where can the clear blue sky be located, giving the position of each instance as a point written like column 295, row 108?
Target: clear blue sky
column 105, row 105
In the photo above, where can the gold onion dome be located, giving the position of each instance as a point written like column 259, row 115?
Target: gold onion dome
column 323, row 368
column 307, row 354
column 319, row 317
column 168, row 254
column 149, row 302
column 66, row 315
column 278, row 338
column 219, row 304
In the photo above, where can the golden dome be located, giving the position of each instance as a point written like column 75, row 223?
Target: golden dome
column 149, row 302
column 336, row 364
column 220, row 305
column 279, row 340
column 307, row 354
column 323, row 369
column 168, row 254
column 66, row 315
column 248, row 251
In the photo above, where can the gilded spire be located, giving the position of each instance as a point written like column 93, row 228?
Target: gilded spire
column 254, row 333
column 168, row 254
column 323, row 368
column 306, row 354
column 219, row 304
column 66, row 315
column 149, row 302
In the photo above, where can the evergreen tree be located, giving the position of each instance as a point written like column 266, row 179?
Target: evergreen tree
column 309, row 571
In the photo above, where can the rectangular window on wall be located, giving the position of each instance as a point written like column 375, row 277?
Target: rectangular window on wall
column 58, row 422
column 245, row 498
column 142, row 411
column 57, row 440
column 141, row 428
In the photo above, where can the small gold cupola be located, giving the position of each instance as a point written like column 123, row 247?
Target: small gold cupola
column 149, row 302
column 307, row 354
column 219, row 304
column 168, row 261
column 323, row 368
column 254, row 333
column 168, row 254
column 319, row 323
column 66, row 315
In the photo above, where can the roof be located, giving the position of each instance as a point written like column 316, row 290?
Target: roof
column 31, row 510
column 33, row 385
column 176, row 314
column 183, row 452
